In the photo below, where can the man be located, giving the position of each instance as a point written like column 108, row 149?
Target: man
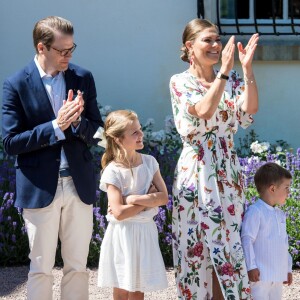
column 49, row 117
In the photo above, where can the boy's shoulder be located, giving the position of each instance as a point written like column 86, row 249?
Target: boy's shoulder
column 260, row 207
column 255, row 208
column 257, row 205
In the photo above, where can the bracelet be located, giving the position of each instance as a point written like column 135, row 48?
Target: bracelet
column 250, row 80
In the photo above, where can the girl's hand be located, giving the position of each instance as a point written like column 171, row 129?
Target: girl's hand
column 152, row 189
column 246, row 54
column 228, row 56
column 128, row 199
column 109, row 210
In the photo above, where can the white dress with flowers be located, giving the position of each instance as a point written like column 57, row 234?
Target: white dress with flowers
column 130, row 256
column 208, row 199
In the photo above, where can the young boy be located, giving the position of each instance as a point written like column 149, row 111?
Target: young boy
column 264, row 237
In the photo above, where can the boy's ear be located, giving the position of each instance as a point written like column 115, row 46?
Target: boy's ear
column 272, row 188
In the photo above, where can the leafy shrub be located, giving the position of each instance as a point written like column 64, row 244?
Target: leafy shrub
column 165, row 146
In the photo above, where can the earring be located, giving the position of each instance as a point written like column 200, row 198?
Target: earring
column 191, row 59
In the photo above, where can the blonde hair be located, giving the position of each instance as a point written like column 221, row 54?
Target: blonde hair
column 191, row 32
column 114, row 128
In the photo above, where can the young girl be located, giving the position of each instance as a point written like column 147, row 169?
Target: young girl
column 130, row 258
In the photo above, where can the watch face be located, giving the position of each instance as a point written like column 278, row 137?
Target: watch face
column 222, row 76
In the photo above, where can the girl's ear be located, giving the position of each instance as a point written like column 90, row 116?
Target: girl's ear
column 118, row 141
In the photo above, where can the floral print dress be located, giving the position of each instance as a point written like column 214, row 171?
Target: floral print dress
column 208, row 199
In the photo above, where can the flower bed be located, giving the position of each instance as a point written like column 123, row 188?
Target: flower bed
column 165, row 146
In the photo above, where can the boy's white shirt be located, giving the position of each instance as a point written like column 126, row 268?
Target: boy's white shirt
column 265, row 242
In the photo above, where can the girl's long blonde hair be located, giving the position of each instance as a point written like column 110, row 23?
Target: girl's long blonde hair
column 114, row 128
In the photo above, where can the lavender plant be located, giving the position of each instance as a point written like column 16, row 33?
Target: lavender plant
column 292, row 207
column 13, row 237
column 165, row 146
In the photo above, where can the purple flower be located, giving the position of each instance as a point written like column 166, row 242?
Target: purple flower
column 170, row 203
column 218, row 209
column 191, row 187
column 13, row 238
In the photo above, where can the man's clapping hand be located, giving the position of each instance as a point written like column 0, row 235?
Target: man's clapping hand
column 70, row 111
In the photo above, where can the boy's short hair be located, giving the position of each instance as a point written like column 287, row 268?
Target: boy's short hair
column 268, row 174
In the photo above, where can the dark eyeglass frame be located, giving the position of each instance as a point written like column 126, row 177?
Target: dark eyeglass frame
column 65, row 52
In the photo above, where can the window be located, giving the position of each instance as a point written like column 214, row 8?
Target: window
column 267, row 17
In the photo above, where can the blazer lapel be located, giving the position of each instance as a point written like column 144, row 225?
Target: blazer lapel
column 71, row 81
column 36, row 85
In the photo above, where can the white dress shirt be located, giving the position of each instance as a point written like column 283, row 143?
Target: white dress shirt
column 265, row 242
column 56, row 90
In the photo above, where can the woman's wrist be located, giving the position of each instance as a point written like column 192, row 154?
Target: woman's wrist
column 249, row 79
column 248, row 72
column 224, row 71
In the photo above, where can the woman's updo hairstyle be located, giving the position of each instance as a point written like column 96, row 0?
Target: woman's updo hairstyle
column 190, row 33
column 114, row 128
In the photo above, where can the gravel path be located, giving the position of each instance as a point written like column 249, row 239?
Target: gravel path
column 13, row 286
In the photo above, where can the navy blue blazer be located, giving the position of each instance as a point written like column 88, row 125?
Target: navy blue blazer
column 28, row 133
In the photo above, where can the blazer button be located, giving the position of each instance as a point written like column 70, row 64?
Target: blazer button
column 58, row 159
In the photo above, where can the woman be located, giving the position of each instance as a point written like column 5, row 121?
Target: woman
column 208, row 195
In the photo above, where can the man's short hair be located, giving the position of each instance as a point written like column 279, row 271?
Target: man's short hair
column 44, row 30
column 268, row 174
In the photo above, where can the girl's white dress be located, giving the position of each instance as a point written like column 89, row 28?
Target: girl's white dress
column 130, row 256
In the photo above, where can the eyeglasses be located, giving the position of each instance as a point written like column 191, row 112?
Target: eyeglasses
column 65, row 52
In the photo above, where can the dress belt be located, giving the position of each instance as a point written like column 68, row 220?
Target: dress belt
column 64, row 172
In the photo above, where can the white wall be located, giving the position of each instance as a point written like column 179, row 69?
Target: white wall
column 278, row 117
column 132, row 48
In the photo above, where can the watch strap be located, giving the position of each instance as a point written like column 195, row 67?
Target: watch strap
column 222, row 76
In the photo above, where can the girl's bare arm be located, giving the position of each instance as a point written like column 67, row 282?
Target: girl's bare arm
column 160, row 197
column 120, row 210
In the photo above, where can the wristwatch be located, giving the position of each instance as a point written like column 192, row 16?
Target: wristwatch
column 222, row 76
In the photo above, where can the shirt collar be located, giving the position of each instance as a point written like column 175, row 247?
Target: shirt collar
column 269, row 207
column 41, row 71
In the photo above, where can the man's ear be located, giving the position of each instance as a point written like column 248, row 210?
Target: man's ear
column 40, row 47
